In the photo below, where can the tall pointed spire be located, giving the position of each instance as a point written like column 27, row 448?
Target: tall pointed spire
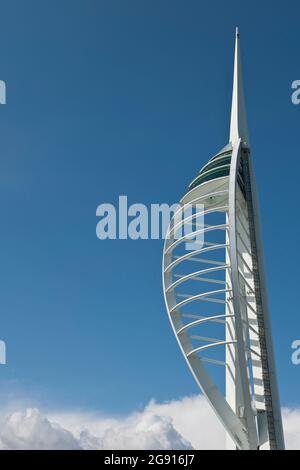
column 238, row 123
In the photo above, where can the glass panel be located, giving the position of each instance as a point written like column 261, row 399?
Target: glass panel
column 214, row 164
column 217, row 173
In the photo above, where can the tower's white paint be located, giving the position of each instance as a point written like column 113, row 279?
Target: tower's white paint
column 238, row 120
column 216, row 295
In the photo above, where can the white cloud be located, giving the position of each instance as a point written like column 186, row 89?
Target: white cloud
column 179, row 424
column 194, row 419
column 31, row 430
column 291, row 423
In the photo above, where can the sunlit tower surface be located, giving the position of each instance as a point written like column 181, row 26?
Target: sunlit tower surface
column 216, row 294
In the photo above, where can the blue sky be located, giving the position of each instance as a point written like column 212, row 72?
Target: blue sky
column 112, row 97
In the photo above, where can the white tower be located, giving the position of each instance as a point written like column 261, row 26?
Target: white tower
column 216, row 293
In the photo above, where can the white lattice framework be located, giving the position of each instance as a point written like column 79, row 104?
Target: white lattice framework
column 216, row 296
